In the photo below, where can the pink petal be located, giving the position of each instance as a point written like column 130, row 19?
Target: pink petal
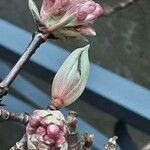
column 48, row 140
column 34, row 121
column 53, row 130
column 60, row 140
column 29, row 129
column 41, row 131
column 81, row 15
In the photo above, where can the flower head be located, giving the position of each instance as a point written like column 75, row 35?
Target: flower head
column 71, row 78
column 46, row 130
column 68, row 18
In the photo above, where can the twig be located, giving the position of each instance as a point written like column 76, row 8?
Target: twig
column 21, row 145
column 111, row 145
column 74, row 141
column 86, row 141
column 6, row 115
column 71, row 123
column 121, row 5
column 146, row 147
column 37, row 40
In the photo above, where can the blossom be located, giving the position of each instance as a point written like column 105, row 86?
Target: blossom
column 68, row 18
column 70, row 80
column 46, row 130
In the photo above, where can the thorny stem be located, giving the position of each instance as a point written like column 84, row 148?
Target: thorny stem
column 37, row 40
column 121, row 5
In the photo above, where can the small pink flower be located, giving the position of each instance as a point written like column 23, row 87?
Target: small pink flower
column 53, row 8
column 87, row 11
column 48, row 132
column 63, row 18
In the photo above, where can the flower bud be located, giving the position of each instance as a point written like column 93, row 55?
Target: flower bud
column 86, row 30
column 46, row 130
column 63, row 15
column 70, row 80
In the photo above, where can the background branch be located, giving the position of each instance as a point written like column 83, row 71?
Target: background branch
column 108, row 10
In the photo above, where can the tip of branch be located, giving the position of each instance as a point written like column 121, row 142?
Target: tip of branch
column 2, row 105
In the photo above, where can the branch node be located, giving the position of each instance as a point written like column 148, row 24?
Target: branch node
column 111, row 145
column 4, row 114
column 3, row 90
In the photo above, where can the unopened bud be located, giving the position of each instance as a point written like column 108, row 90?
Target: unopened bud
column 71, row 78
column 62, row 15
column 46, row 130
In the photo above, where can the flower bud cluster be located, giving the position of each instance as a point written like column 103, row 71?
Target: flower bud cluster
column 68, row 18
column 46, row 130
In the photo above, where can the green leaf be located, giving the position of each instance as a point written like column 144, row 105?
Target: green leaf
column 71, row 33
column 34, row 9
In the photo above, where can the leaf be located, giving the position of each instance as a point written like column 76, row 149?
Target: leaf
column 71, row 78
column 34, row 10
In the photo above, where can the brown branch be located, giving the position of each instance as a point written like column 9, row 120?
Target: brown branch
column 37, row 40
column 111, row 145
column 86, row 141
column 108, row 10
column 7, row 116
column 71, row 123
column 74, row 141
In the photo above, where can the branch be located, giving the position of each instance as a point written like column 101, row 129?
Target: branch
column 111, row 145
column 71, row 123
column 121, row 5
column 74, row 141
column 86, row 141
column 7, row 116
column 37, row 40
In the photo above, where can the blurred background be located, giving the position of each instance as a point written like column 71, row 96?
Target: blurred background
column 122, row 45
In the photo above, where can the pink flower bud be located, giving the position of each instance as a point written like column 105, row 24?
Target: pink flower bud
column 41, row 131
column 58, row 15
column 71, row 78
column 50, row 131
column 86, row 30
column 60, row 140
column 53, row 130
column 91, row 18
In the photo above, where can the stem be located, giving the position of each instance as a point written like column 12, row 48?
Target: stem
column 119, row 6
column 37, row 40
column 112, row 144
column 8, row 116
column 71, row 123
